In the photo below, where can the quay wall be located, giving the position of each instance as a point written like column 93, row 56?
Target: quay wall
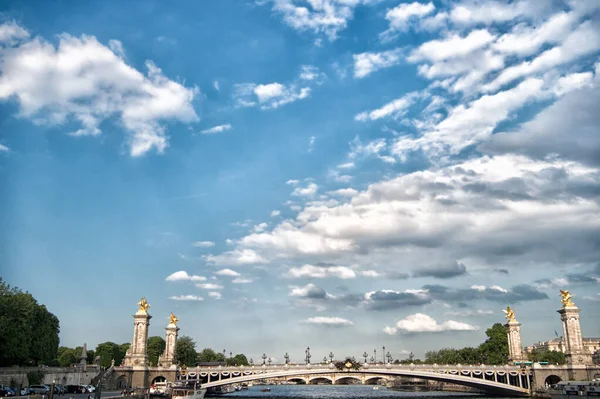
column 17, row 376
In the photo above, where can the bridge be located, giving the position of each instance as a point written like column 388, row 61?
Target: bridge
column 505, row 380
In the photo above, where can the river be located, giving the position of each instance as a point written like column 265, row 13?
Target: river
column 341, row 391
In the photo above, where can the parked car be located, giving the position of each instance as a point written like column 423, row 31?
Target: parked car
column 60, row 389
column 76, row 389
column 41, row 389
column 6, row 391
column 25, row 392
column 91, row 388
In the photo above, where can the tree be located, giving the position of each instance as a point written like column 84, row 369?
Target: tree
column 156, row 346
column 107, row 352
column 67, row 357
column 238, row 360
column 28, row 331
column 552, row 357
column 206, row 355
column 185, row 351
column 495, row 349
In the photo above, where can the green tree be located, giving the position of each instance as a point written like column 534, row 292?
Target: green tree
column 67, row 357
column 495, row 349
column 156, row 346
column 185, row 351
column 107, row 352
column 28, row 331
column 552, row 357
column 206, row 355
column 238, row 360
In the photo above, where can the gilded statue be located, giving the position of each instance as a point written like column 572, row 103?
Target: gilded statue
column 510, row 314
column 173, row 319
column 143, row 304
column 566, row 298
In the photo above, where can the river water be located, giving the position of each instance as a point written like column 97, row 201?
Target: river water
column 341, row 391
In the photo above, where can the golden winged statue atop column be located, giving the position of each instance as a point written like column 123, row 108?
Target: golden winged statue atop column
column 566, row 298
column 143, row 304
column 510, row 314
column 173, row 319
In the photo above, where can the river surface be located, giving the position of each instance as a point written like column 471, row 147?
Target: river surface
column 341, row 391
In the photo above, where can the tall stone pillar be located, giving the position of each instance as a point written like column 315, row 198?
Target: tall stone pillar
column 575, row 352
column 513, row 332
column 137, row 355
column 167, row 359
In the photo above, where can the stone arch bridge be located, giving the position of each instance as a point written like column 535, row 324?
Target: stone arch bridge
column 507, row 381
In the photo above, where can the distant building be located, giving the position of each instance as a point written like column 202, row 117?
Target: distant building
column 591, row 345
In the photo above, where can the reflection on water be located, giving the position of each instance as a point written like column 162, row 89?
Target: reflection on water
column 340, row 391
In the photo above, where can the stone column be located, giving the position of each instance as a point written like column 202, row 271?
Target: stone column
column 515, row 348
column 575, row 352
column 167, row 359
column 137, row 355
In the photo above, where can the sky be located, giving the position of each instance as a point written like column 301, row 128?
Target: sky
column 339, row 174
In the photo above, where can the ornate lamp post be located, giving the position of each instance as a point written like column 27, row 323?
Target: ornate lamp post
column 389, row 357
column 270, row 360
column 264, row 358
column 383, row 354
column 365, row 355
column 287, row 358
column 307, row 352
column 324, row 359
column 372, row 359
column 251, row 362
column 375, row 355
column 411, row 356
column 331, row 357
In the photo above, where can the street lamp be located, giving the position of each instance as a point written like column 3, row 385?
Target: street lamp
column 264, row 357
column 389, row 357
column 287, row 358
column 372, row 359
column 383, row 354
column 375, row 355
column 270, row 360
column 325, row 359
column 365, row 355
column 251, row 362
column 411, row 356
column 331, row 356
column 307, row 352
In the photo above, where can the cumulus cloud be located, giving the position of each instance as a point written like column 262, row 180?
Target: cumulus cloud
column 227, row 272
column 367, row 63
column 183, row 276
column 215, row 295
column 216, row 129
column 389, row 299
column 400, row 15
column 394, row 108
column 311, row 271
column 94, row 86
column 236, row 257
column 309, row 291
column 240, row 280
column 309, row 190
column 268, row 96
column 328, row 321
column 209, row 286
column 186, row 298
column 419, row 323
column 275, row 213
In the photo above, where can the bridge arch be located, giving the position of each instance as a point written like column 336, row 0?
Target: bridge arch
column 159, row 378
column 552, row 379
column 347, row 380
column 374, row 380
column 460, row 377
column 297, row 380
column 320, row 378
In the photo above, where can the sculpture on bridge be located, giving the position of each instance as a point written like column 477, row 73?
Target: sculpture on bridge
column 510, row 314
column 173, row 319
column 566, row 298
column 143, row 304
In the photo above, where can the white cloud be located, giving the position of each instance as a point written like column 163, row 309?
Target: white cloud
column 216, row 295
column 241, row 280
column 367, row 63
column 86, row 82
column 396, row 108
column 347, row 165
column 307, row 191
column 310, row 72
column 454, row 46
column 260, row 227
column 326, row 17
column 478, row 287
column 186, row 298
column 236, row 258
column 204, row 244
column 275, row 213
column 420, row 322
column 473, row 12
column 400, row 15
column 582, row 41
column 292, row 182
column 209, row 286
column 311, row 143
column 216, row 85
column 227, row 272
column 217, row 129
column 572, row 82
column 370, row 273
column 345, row 192
column 268, row 96
column 328, row 321
column 183, row 276
column 3, row 148
column 311, row 271
column 310, row 291
column 11, row 33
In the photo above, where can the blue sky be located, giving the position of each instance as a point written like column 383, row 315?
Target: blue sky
column 343, row 174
